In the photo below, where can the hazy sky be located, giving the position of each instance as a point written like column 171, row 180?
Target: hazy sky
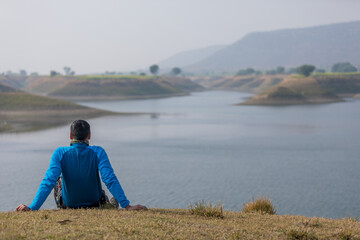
column 118, row 35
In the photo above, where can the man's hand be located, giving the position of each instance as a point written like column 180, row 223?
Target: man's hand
column 136, row 207
column 22, row 207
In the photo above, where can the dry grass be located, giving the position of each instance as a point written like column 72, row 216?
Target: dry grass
column 168, row 224
column 261, row 205
column 301, row 234
column 207, row 209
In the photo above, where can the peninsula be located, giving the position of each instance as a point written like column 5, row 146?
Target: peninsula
column 320, row 88
column 21, row 111
column 110, row 87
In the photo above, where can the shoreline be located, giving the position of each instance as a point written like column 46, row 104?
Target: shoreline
column 16, row 121
column 253, row 102
column 114, row 98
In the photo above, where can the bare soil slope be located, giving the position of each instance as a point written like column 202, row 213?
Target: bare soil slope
column 250, row 83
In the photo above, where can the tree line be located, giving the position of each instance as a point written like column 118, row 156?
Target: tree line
column 305, row 70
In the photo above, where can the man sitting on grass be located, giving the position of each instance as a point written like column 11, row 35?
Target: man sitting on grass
column 80, row 185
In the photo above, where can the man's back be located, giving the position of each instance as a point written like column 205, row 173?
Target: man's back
column 79, row 165
column 81, row 181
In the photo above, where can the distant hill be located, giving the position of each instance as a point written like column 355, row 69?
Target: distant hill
column 189, row 57
column 321, row 46
column 112, row 87
column 309, row 90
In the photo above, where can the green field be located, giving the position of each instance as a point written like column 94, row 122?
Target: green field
column 336, row 74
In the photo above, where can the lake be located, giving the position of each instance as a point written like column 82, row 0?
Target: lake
column 203, row 147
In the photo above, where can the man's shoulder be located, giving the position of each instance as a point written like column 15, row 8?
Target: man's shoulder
column 60, row 150
column 96, row 148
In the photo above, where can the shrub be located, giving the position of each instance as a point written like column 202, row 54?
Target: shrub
column 207, row 209
column 345, row 235
column 247, row 71
column 352, row 219
column 305, row 70
column 261, row 205
column 300, row 235
column 343, row 67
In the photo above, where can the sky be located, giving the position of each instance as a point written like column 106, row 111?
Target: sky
column 94, row 36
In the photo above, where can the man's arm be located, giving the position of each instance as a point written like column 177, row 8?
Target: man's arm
column 112, row 183
column 47, row 184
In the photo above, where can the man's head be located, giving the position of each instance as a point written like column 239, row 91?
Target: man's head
column 80, row 130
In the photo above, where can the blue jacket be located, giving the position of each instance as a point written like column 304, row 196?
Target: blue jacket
column 80, row 165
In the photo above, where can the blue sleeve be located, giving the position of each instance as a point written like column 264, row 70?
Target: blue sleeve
column 109, row 178
column 49, row 181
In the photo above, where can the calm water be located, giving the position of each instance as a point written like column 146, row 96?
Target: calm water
column 202, row 147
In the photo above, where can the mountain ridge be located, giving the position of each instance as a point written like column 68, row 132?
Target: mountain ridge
column 188, row 57
column 321, row 45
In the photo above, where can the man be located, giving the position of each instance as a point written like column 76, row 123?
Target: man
column 80, row 185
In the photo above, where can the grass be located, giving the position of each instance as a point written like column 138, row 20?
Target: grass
column 168, row 224
column 261, row 205
column 112, row 87
column 316, row 89
column 336, row 74
column 352, row 219
column 25, row 101
column 23, row 121
column 114, row 77
column 207, row 209
column 285, row 93
column 326, row 74
column 301, row 234
column 91, row 87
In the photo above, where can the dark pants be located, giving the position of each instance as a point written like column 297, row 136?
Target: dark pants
column 59, row 201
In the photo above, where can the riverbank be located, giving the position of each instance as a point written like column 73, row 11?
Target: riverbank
column 273, row 90
column 99, row 88
column 169, row 224
column 24, row 121
column 20, row 111
column 117, row 98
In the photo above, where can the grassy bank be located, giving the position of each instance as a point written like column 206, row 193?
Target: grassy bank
column 169, row 224
column 23, row 121
column 24, row 101
column 309, row 90
column 20, row 111
column 98, row 87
